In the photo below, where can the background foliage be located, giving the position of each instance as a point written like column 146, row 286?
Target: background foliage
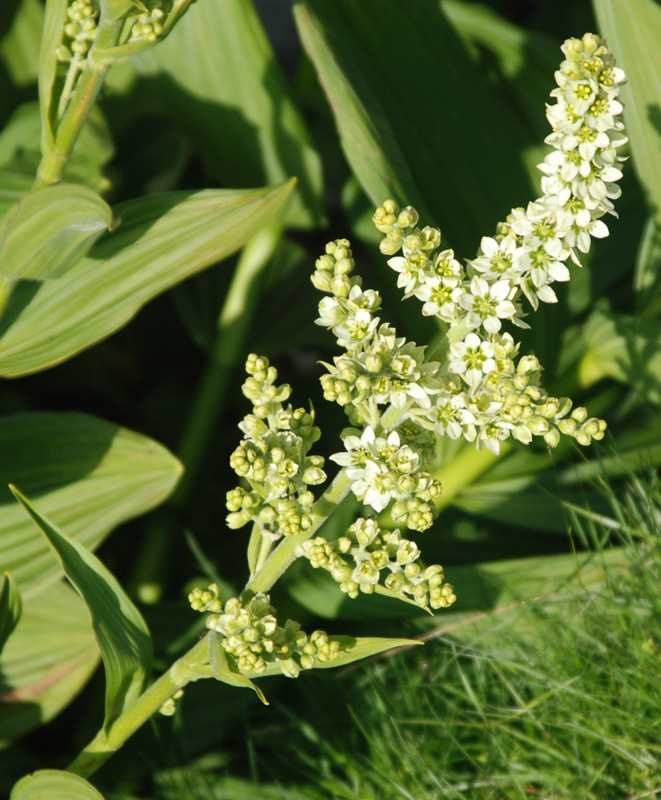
column 437, row 105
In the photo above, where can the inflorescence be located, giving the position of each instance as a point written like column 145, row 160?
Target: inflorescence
column 399, row 399
column 252, row 638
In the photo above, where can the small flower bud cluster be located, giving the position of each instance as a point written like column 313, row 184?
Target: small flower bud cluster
column 357, row 560
column 170, row 705
column 273, row 458
column 80, row 29
column 252, row 638
column 147, row 26
column 379, row 368
column 383, row 469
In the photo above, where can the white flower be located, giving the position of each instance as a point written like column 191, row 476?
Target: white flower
column 452, row 417
column 440, row 297
column 472, row 359
column 498, row 259
column 487, row 304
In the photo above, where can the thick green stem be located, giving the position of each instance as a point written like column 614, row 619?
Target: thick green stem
column 104, row 744
column 68, row 128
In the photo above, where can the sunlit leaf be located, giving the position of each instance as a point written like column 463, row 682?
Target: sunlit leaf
column 47, row 660
column 88, row 476
column 11, row 607
column 632, row 30
column 54, row 784
column 160, row 241
column 47, row 232
column 417, row 132
column 120, row 630
column 218, row 73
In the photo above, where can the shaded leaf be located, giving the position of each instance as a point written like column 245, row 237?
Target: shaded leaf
column 19, row 49
column 89, row 476
column 11, row 607
column 120, row 630
column 161, row 241
column 13, row 185
column 47, row 232
column 233, row 101
column 632, row 30
column 54, row 784
column 647, row 278
column 626, row 349
column 412, row 133
column 47, row 660
column 225, row 672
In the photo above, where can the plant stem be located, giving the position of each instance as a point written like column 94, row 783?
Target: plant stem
column 77, row 109
column 105, row 743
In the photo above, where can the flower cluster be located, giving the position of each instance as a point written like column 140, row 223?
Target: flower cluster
column 80, row 29
column 357, row 559
column 252, row 638
column 147, row 26
column 273, row 458
column 383, row 469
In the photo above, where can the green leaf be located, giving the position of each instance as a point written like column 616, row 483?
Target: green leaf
column 54, row 21
column 11, row 607
column 47, row 660
column 625, row 349
column 19, row 49
column 632, row 30
column 161, row 241
column 225, row 672
column 89, row 476
column 647, row 279
column 415, row 128
column 13, row 185
column 120, row 630
column 47, row 232
column 20, row 147
column 7, row 13
column 233, row 101
column 54, row 784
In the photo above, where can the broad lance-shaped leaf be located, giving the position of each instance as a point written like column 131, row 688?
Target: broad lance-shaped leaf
column 47, row 232
column 415, row 128
column 47, row 660
column 10, row 607
column 235, row 104
column 632, row 30
column 161, row 241
column 54, row 784
column 120, row 630
column 89, row 476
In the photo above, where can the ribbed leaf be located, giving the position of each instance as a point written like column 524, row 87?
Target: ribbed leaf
column 13, row 185
column 11, row 607
column 626, row 349
column 47, row 232
column 20, row 147
column 222, row 671
column 19, row 49
column 417, row 120
column 647, row 280
column 47, row 660
column 120, row 630
column 89, row 476
column 56, row 15
column 219, row 75
column 54, row 784
column 161, row 241
column 632, row 30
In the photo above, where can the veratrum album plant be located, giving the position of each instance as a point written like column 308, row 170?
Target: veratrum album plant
column 400, row 397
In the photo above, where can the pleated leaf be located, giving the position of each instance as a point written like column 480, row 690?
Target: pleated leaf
column 417, row 120
column 54, row 784
column 626, row 349
column 120, row 630
column 160, row 241
column 88, row 476
column 47, row 660
column 222, row 669
column 632, row 30
column 47, row 232
column 11, row 607
column 54, row 21
column 220, row 77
